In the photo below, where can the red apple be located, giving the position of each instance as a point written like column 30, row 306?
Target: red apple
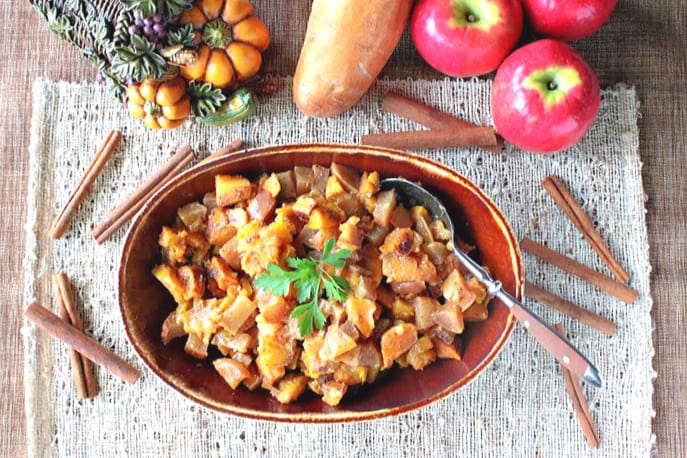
column 544, row 97
column 568, row 20
column 465, row 37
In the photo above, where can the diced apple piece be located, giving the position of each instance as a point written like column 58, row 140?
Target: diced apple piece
column 384, row 205
column 304, row 179
column 254, row 380
column 193, row 215
column 476, row 312
column 351, row 236
column 361, row 313
column 401, row 217
column 287, row 184
column 397, row 340
column 262, row 205
column 424, row 307
column 230, row 253
column 290, row 388
column 171, row 328
column 230, row 343
column 196, row 346
column 450, row 317
column 231, row 189
column 408, row 289
column 219, row 229
column 421, row 354
column 320, row 177
column 440, row 231
column 350, row 375
column 232, row 371
column 210, row 200
column 420, row 217
column 376, row 235
column 455, row 290
column 348, row 176
column 436, row 251
column 193, row 280
column 238, row 312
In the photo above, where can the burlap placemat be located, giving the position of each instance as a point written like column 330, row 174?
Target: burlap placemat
column 517, row 407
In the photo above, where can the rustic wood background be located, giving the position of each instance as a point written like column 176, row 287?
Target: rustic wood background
column 643, row 45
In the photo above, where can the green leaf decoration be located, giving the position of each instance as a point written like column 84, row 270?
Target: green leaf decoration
column 59, row 24
column 100, row 30
column 138, row 61
column 184, row 36
column 171, row 8
column 74, row 5
column 204, row 98
column 146, row 7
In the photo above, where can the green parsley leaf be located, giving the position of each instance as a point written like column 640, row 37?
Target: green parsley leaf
column 308, row 276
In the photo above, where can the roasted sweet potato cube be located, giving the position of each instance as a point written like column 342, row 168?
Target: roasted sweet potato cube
column 230, row 253
column 385, row 203
column 238, row 312
column 275, row 309
column 369, row 184
column 272, row 185
column 193, row 280
column 408, row 268
column 351, row 236
column 402, row 310
column 333, row 392
column 476, row 312
column 334, row 188
column 254, row 380
column 401, row 241
column 231, row 189
column 350, row 375
column 424, row 307
column 455, row 290
column 360, row 312
column 421, row 354
column 171, row 328
column 232, row 371
column 336, row 342
column 290, row 388
column 222, row 273
column 169, row 277
column 196, row 346
column 397, row 340
column 325, row 217
column 219, row 229
column 445, row 350
column 450, row 317
column 231, row 343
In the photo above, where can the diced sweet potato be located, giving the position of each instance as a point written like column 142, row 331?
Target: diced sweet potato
column 421, row 354
column 232, row 371
column 272, row 185
column 450, row 317
column 168, row 276
column 275, row 309
column 408, row 268
column 171, row 328
column 230, row 343
column 476, row 312
column 369, row 184
column 334, row 188
column 384, row 205
column 230, row 253
column 424, row 307
column 385, row 297
column 336, row 342
column 445, row 350
column 231, row 189
column 401, row 241
column 333, row 392
column 290, row 388
column 361, row 313
column 324, row 217
column 397, row 340
column 219, row 229
column 351, row 236
column 193, row 280
column 254, row 380
column 402, row 310
column 222, row 273
column 350, row 375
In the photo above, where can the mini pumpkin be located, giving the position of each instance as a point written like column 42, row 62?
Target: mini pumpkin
column 230, row 41
column 161, row 104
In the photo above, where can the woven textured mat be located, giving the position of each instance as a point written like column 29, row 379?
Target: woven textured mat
column 517, row 407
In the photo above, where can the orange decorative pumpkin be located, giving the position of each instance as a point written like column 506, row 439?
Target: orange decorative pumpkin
column 161, row 104
column 230, row 41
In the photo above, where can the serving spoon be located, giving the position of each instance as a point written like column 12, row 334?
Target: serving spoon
column 561, row 349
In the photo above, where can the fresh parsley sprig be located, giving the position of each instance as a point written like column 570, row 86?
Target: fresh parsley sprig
column 308, row 275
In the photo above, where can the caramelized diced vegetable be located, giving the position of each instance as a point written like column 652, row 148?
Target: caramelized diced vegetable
column 231, row 189
column 396, row 341
column 232, row 371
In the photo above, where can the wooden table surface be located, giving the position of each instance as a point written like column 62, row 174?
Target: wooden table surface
column 644, row 45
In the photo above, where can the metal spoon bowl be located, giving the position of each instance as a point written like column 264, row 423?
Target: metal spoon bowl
column 411, row 193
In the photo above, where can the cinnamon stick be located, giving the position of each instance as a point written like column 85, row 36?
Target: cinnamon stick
column 564, row 198
column 61, row 223
column 430, row 117
column 608, row 284
column 230, row 148
column 579, row 402
column 127, row 209
column 82, row 369
column 583, row 315
column 53, row 325
column 421, row 139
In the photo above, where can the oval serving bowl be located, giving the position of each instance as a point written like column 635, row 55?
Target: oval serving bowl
column 145, row 303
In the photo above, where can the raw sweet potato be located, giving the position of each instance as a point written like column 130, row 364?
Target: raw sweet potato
column 346, row 46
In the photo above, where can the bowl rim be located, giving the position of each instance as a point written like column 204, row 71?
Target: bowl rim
column 334, row 149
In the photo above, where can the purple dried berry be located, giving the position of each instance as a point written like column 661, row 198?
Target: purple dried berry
column 148, row 30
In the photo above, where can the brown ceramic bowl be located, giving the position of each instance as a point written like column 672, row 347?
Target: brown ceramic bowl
column 145, row 303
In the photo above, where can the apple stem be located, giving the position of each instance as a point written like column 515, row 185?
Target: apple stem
column 471, row 18
column 552, row 86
